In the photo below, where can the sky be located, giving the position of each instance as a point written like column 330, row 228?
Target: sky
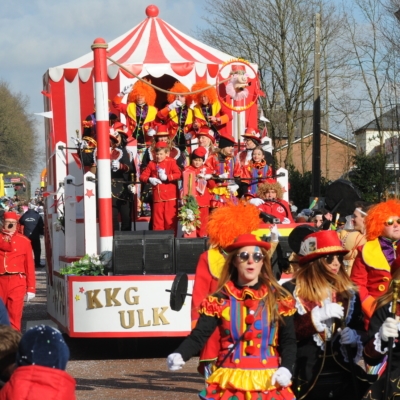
column 36, row 35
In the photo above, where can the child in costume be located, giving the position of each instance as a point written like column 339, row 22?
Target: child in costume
column 254, row 316
column 163, row 173
column 328, row 322
column 224, row 166
column 203, row 197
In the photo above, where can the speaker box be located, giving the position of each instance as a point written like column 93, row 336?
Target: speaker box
column 143, row 252
column 187, row 253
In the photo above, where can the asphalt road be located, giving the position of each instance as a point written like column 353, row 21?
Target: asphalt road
column 120, row 368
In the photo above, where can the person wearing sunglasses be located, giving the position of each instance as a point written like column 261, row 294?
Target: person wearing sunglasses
column 254, row 316
column 328, row 321
column 377, row 259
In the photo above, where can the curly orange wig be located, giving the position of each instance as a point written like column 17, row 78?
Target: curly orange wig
column 377, row 216
column 141, row 88
column 227, row 223
column 178, row 88
column 264, row 187
column 211, row 92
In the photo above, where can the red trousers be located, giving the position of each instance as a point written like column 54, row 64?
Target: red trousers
column 165, row 216
column 12, row 292
column 201, row 231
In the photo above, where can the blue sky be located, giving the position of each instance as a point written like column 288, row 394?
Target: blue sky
column 39, row 34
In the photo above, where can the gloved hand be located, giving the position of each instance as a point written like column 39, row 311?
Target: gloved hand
column 274, row 233
column 29, row 296
column 201, row 176
column 331, row 310
column 282, row 376
column 162, row 175
column 174, row 104
column 151, row 132
column 127, row 89
column 154, row 181
column 114, row 165
column 224, row 175
column 389, row 329
column 207, row 177
column 348, row 336
column 286, row 221
column 81, row 144
column 188, row 136
column 256, row 202
column 175, row 362
column 132, row 189
column 232, row 188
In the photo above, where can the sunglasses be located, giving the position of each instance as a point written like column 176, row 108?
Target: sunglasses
column 329, row 258
column 391, row 221
column 244, row 256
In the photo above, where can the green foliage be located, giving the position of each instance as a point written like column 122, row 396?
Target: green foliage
column 87, row 266
column 370, row 176
column 301, row 187
column 189, row 214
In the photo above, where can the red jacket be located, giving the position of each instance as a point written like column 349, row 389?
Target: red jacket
column 203, row 200
column 34, row 382
column 168, row 190
column 279, row 209
column 19, row 260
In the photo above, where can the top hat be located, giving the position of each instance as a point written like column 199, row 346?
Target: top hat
column 162, row 130
column 319, row 244
column 161, row 145
column 252, row 133
column 118, row 128
column 226, row 141
column 247, row 240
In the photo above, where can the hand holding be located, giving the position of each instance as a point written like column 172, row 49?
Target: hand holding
column 225, row 175
column 175, row 362
column 154, row 181
column 282, row 376
column 274, row 234
column 132, row 189
column 151, row 132
column 389, row 329
column 114, row 165
column 174, row 104
column 256, row 202
column 29, row 296
column 348, row 336
column 188, row 136
column 162, row 175
column 232, row 188
column 331, row 310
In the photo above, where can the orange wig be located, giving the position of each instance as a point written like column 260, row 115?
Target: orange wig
column 227, row 223
column 178, row 88
column 211, row 92
column 141, row 88
column 378, row 215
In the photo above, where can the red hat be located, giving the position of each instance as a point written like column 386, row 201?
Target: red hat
column 225, row 140
column 319, row 244
column 252, row 133
column 161, row 145
column 118, row 128
column 11, row 215
column 206, row 131
column 238, row 69
column 247, row 240
column 162, row 130
column 200, row 152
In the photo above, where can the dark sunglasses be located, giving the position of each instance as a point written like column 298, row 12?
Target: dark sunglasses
column 391, row 221
column 330, row 257
column 244, row 256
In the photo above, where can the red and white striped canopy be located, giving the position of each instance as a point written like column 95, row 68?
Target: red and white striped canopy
column 152, row 47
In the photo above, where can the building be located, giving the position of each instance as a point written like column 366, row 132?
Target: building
column 336, row 155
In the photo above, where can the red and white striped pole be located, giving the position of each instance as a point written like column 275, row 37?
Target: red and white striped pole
column 99, row 48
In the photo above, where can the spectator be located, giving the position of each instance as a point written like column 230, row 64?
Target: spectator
column 9, row 340
column 33, row 228
column 42, row 358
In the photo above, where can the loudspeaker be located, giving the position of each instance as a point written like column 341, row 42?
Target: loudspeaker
column 144, row 252
column 128, row 253
column 187, row 253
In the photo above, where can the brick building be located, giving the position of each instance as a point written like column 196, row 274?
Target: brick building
column 340, row 153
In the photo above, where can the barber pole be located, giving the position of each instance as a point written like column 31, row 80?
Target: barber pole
column 103, row 144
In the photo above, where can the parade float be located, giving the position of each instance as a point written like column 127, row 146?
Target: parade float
column 125, row 294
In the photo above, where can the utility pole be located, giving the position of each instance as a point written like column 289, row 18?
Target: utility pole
column 316, row 159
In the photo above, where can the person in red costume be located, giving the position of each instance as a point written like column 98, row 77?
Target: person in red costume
column 178, row 115
column 17, row 270
column 203, row 197
column 208, row 111
column 221, row 232
column 255, row 318
column 140, row 112
column 224, row 166
column 269, row 199
column 377, row 259
column 163, row 173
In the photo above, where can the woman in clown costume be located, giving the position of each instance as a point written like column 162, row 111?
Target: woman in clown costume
column 254, row 316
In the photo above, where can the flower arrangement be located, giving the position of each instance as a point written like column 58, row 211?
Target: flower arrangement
column 93, row 265
column 189, row 214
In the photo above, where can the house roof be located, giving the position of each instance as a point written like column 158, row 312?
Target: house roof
column 388, row 121
column 331, row 136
